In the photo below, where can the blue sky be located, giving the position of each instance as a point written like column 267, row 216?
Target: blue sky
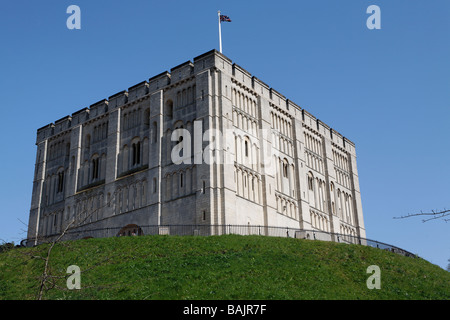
column 387, row 90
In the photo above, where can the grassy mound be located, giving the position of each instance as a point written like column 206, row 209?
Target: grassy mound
column 218, row 267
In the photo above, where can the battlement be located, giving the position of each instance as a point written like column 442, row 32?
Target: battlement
column 98, row 108
column 140, row 90
column 182, row 72
column 245, row 78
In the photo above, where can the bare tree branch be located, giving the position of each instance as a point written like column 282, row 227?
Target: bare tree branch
column 45, row 274
column 434, row 214
column 47, row 277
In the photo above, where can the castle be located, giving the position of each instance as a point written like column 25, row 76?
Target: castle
column 145, row 156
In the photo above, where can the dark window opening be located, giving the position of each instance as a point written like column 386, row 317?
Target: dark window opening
column 310, row 183
column 155, row 132
column 60, row 181
column 95, row 169
column 285, row 170
column 136, row 153
column 169, row 109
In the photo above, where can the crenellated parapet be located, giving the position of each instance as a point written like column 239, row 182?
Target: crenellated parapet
column 183, row 72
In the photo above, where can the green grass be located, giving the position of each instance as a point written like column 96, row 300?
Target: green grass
column 219, row 267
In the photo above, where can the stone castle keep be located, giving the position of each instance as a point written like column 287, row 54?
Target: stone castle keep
column 111, row 165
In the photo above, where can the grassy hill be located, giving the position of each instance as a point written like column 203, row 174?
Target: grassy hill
column 218, row 267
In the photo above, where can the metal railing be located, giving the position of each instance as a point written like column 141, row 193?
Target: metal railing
column 208, row 230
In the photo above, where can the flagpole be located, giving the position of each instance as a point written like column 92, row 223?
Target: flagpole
column 220, row 33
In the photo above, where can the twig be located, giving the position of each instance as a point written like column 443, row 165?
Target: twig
column 434, row 215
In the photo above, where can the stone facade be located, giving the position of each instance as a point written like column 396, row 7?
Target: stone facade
column 111, row 165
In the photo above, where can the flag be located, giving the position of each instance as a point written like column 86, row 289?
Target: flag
column 224, row 18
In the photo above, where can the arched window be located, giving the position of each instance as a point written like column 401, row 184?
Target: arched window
column 285, row 168
column 136, row 155
column 310, row 182
column 169, row 108
column 95, row 167
column 60, row 181
column 246, row 148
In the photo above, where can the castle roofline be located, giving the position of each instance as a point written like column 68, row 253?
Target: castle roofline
column 68, row 117
column 262, row 83
column 187, row 63
column 275, row 92
column 117, row 94
column 46, row 126
column 138, row 85
column 236, row 66
column 162, row 74
column 214, row 51
column 85, row 109
column 185, row 71
column 103, row 101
